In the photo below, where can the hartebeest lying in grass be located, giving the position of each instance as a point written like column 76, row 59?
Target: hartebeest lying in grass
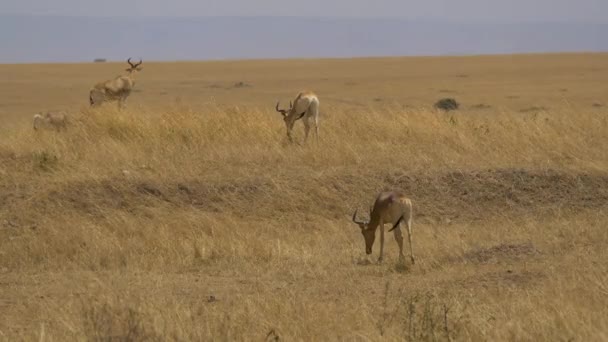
column 51, row 120
column 117, row 89
column 305, row 107
column 390, row 207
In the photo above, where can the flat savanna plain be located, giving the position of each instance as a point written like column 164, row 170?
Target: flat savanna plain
column 188, row 216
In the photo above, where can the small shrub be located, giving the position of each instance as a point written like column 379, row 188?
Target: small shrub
column 481, row 106
column 241, row 84
column 99, row 60
column 533, row 109
column 110, row 323
column 420, row 316
column 428, row 319
column 45, row 161
column 447, row 104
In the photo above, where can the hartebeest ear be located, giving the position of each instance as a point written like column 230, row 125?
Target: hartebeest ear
column 396, row 224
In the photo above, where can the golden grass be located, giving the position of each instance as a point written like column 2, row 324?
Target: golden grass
column 200, row 222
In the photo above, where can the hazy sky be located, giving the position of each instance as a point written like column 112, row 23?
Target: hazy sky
column 591, row 11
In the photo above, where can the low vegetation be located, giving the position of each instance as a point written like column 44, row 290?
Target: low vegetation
column 447, row 104
column 190, row 216
column 207, row 224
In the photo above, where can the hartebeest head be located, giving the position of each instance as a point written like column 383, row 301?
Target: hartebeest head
column 368, row 234
column 289, row 116
column 134, row 67
column 285, row 112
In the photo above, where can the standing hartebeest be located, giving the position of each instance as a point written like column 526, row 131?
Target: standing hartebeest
column 117, row 89
column 389, row 207
column 305, row 107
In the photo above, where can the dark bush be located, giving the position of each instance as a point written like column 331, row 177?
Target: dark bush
column 447, row 104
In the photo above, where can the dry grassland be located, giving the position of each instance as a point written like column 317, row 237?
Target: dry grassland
column 189, row 217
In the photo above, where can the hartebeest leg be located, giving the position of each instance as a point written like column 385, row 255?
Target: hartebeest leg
column 399, row 238
column 381, row 226
column 306, row 128
column 121, row 103
column 409, row 237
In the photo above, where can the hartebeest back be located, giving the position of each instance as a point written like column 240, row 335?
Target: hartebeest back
column 117, row 89
column 389, row 207
column 305, row 107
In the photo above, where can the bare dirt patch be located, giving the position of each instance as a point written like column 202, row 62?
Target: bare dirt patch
column 504, row 278
column 501, row 252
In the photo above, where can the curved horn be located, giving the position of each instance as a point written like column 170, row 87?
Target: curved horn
column 131, row 64
column 396, row 224
column 282, row 111
column 138, row 64
column 290, row 104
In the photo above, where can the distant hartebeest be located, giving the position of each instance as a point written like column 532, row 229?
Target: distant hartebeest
column 117, row 89
column 51, row 120
column 305, row 107
column 389, row 207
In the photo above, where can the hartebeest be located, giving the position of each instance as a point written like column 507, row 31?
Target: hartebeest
column 51, row 120
column 389, row 207
column 305, row 107
column 117, row 89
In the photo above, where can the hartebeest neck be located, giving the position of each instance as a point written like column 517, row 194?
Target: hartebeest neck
column 131, row 74
column 374, row 220
column 294, row 116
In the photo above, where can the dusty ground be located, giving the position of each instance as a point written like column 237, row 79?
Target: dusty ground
column 189, row 217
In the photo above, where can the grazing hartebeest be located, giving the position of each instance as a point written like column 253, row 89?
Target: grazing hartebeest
column 305, row 107
column 389, row 207
column 51, row 120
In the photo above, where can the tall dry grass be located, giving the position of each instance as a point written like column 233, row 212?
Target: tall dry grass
column 205, row 224
column 186, row 142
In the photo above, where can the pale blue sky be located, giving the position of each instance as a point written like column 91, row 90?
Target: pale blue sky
column 581, row 11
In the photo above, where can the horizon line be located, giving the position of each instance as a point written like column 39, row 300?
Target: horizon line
column 472, row 55
column 335, row 17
